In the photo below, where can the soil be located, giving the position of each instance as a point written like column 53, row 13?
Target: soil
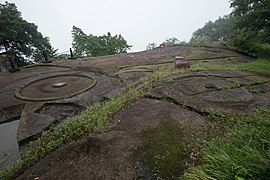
column 156, row 137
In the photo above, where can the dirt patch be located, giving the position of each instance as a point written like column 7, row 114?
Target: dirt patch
column 123, row 152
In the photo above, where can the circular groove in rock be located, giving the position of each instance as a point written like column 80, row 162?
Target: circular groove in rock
column 43, row 89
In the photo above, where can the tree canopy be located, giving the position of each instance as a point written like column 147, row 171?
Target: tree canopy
column 151, row 46
column 90, row 45
column 246, row 29
column 19, row 36
column 172, row 41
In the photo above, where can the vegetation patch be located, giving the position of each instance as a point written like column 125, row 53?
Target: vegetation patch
column 243, row 153
column 258, row 65
column 261, row 66
column 163, row 150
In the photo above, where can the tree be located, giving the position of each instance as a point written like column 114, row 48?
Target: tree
column 253, row 15
column 19, row 36
column 200, row 41
column 90, row 45
column 172, row 41
column 79, row 42
column 246, row 29
column 219, row 30
column 253, row 25
column 151, row 46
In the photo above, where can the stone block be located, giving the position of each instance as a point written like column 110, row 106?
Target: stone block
column 181, row 62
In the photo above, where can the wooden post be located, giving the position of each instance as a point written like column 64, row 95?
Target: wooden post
column 46, row 59
column 71, row 53
column 13, row 66
column 45, row 56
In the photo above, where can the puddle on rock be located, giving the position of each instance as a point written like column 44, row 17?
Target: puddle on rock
column 9, row 148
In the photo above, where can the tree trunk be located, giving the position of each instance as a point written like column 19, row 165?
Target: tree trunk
column 6, row 48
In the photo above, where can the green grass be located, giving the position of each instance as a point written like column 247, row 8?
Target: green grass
column 258, row 65
column 206, row 67
column 261, row 66
column 243, row 153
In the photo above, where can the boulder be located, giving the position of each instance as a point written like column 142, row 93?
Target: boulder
column 181, row 62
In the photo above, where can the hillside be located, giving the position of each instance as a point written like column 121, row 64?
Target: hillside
column 128, row 116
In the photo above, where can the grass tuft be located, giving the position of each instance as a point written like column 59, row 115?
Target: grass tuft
column 258, row 65
column 261, row 66
column 243, row 153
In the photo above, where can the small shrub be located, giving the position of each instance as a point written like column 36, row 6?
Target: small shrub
column 200, row 41
column 263, row 50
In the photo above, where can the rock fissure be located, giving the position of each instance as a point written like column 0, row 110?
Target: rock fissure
column 212, row 58
column 241, row 85
column 187, row 107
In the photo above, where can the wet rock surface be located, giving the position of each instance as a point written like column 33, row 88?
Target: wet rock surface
column 35, row 116
column 118, row 153
column 38, row 117
column 217, row 91
column 10, row 113
column 55, row 87
column 9, row 147
column 148, row 137
column 60, row 112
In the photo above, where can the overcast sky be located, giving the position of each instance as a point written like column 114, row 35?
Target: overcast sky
column 139, row 21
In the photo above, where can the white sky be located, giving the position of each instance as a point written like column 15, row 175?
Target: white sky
column 139, row 21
